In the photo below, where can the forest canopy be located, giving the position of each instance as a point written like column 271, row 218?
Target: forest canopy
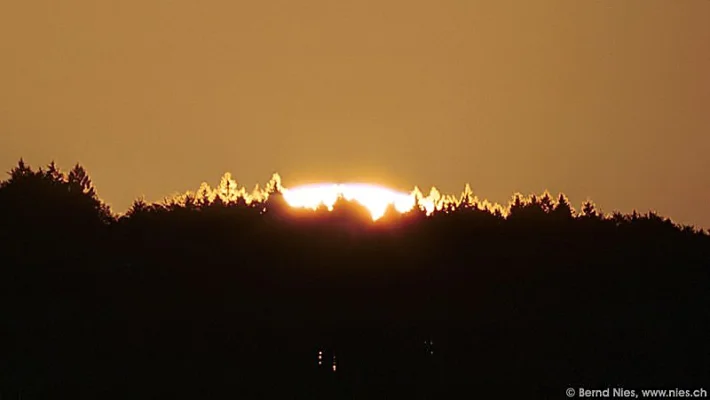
column 49, row 192
column 226, row 291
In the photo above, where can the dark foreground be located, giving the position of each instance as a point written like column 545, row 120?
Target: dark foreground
column 229, row 301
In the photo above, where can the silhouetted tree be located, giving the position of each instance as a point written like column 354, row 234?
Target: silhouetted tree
column 467, row 199
column 22, row 171
column 210, row 295
column 79, row 181
column 139, row 206
column 563, row 209
column 546, row 203
column 53, row 174
column 589, row 210
column 204, row 195
column 516, row 206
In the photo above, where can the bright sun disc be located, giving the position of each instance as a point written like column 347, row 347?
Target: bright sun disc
column 373, row 197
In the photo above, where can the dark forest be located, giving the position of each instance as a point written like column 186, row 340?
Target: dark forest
column 203, row 298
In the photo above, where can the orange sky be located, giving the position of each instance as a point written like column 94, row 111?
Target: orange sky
column 608, row 99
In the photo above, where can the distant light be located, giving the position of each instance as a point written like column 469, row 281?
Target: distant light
column 375, row 198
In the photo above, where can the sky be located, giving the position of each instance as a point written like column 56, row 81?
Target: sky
column 600, row 99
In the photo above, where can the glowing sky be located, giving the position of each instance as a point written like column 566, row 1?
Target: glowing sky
column 605, row 99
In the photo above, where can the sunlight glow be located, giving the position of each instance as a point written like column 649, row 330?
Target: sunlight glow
column 375, row 198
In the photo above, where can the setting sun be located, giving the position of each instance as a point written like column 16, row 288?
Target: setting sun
column 375, row 198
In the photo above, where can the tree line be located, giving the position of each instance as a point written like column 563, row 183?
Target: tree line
column 219, row 292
